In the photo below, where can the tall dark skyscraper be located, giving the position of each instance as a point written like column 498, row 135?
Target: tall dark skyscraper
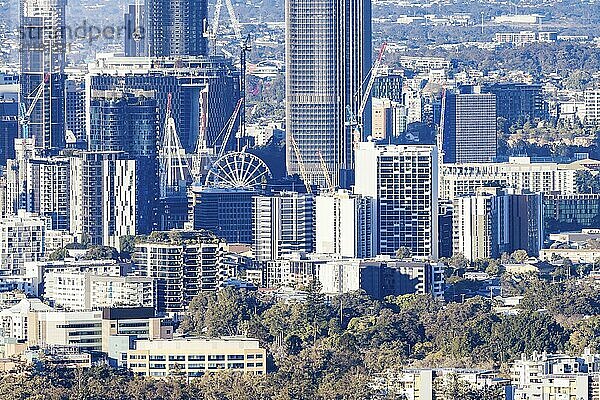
column 328, row 54
column 135, row 31
column 468, row 127
column 9, row 128
column 176, row 27
column 518, row 101
column 128, row 122
column 42, row 57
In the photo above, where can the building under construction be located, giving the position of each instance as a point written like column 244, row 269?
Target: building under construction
column 204, row 92
column 42, row 57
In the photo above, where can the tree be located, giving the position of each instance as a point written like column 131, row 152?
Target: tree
column 403, row 252
column 519, row 256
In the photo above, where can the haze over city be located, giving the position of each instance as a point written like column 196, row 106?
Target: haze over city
column 299, row 199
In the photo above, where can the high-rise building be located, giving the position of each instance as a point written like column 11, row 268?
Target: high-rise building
column 42, row 59
column 184, row 264
column 103, row 197
column 283, row 224
column 404, row 182
column 519, row 173
column 136, row 44
column 48, row 190
column 199, row 87
column 176, row 27
column 389, row 120
column 75, row 114
column 517, row 101
column 345, row 224
column 16, row 175
column 128, row 121
column 388, row 86
column 328, row 55
column 227, row 212
column 495, row 221
column 571, row 212
column 468, row 127
column 9, row 129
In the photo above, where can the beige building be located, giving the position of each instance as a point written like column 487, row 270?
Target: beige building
column 575, row 255
column 193, row 357
column 518, row 173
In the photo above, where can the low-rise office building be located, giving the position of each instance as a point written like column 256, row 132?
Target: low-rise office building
column 193, row 357
column 121, row 327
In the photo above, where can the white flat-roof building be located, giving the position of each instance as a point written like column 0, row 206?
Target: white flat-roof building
column 193, row 357
column 518, row 173
column 22, row 239
column 78, row 291
column 345, row 224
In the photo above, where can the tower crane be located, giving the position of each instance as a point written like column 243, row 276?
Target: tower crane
column 326, row 173
column 301, row 165
column 25, row 113
column 245, row 48
column 174, row 166
column 211, row 33
column 228, row 128
column 355, row 120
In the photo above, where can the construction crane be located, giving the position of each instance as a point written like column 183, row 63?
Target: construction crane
column 355, row 120
column 301, row 165
column 246, row 48
column 228, row 128
column 211, row 33
column 174, row 167
column 330, row 186
column 25, row 113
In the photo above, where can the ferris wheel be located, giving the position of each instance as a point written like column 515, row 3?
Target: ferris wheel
column 238, row 170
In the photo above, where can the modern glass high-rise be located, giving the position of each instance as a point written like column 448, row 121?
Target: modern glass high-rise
column 42, row 58
column 176, row 27
column 328, row 54
column 128, row 121
column 468, row 127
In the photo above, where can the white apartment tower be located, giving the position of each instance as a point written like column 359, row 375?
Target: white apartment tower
column 103, row 197
column 345, row 224
column 404, row 182
column 282, row 224
column 22, row 239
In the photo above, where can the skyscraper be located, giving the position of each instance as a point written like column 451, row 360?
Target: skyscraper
column 468, row 127
column 9, row 129
column 135, row 31
column 128, row 121
column 328, row 54
column 42, row 57
column 404, row 182
column 176, row 27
